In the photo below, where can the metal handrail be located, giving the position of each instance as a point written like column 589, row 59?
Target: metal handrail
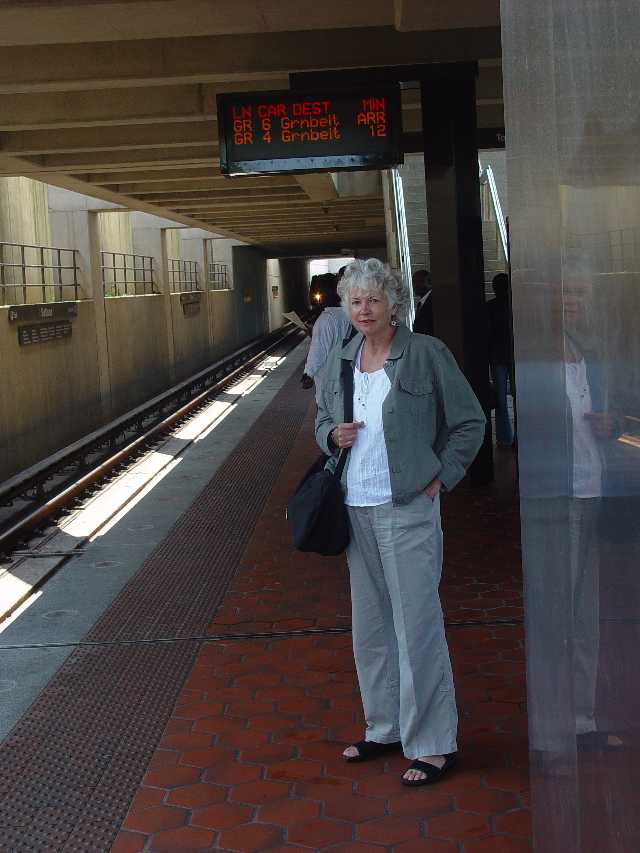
column 37, row 246
column 486, row 174
column 142, row 267
column 184, row 276
column 218, row 276
column 51, row 276
column 404, row 251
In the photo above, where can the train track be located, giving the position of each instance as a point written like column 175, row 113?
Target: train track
column 34, row 501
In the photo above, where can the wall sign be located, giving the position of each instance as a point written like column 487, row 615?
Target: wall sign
column 190, row 303
column 43, row 333
column 270, row 132
column 42, row 312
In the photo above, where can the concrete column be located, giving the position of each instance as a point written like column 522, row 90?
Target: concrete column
column 24, row 214
column 294, row 275
column 152, row 240
column 161, row 265
column 455, row 235
column 86, row 229
column 78, row 222
column 193, row 247
column 24, row 219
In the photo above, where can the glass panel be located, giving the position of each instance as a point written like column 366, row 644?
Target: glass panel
column 572, row 101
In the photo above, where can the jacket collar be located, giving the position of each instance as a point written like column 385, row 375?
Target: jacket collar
column 398, row 344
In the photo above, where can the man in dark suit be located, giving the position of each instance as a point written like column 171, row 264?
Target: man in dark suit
column 422, row 294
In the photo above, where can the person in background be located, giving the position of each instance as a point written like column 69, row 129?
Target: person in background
column 322, row 286
column 330, row 329
column 423, row 298
column 416, row 428
column 500, row 359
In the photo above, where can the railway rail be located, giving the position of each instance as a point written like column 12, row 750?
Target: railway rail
column 35, row 499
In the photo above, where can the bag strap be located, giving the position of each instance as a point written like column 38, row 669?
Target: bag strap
column 350, row 335
column 347, row 379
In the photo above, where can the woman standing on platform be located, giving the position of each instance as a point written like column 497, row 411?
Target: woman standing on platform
column 417, row 427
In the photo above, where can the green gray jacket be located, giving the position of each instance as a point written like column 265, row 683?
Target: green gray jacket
column 433, row 424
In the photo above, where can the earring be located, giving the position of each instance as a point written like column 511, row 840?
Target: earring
column 394, row 322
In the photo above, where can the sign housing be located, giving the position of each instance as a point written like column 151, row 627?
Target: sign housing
column 291, row 131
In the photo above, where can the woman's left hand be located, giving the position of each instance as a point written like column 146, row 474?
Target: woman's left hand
column 433, row 488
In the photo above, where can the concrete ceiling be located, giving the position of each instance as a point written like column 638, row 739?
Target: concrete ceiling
column 118, row 100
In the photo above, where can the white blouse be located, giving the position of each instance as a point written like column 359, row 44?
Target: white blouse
column 368, row 481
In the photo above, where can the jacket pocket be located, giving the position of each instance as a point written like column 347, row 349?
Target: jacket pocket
column 416, row 401
column 416, row 387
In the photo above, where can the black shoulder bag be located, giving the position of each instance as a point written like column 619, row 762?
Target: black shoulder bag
column 316, row 511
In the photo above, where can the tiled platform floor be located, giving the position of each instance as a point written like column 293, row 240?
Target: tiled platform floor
column 250, row 760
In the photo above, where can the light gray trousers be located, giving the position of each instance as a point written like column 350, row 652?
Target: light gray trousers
column 563, row 635
column 399, row 644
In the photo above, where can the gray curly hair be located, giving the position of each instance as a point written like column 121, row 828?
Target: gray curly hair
column 370, row 275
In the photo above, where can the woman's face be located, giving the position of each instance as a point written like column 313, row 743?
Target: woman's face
column 369, row 311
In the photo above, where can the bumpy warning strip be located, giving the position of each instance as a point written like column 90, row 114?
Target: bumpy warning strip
column 250, row 760
column 70, row 767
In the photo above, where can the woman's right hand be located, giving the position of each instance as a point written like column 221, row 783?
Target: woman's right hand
column 344, row 435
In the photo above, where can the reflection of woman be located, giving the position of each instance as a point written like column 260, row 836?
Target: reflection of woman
column 416, row 428
column 572, row 486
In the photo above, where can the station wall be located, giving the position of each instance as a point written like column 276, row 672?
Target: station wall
column 294, row 275
column 51, row 392
column 55, row 398
column 287, row 287
column 124, row 349
column 137, row 342
column 250, row 267
column 191, row 344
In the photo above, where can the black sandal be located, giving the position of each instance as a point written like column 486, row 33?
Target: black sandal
column 370, row 749
column 432, row 773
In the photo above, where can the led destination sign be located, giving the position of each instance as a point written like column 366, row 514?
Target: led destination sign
column 295, row 132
